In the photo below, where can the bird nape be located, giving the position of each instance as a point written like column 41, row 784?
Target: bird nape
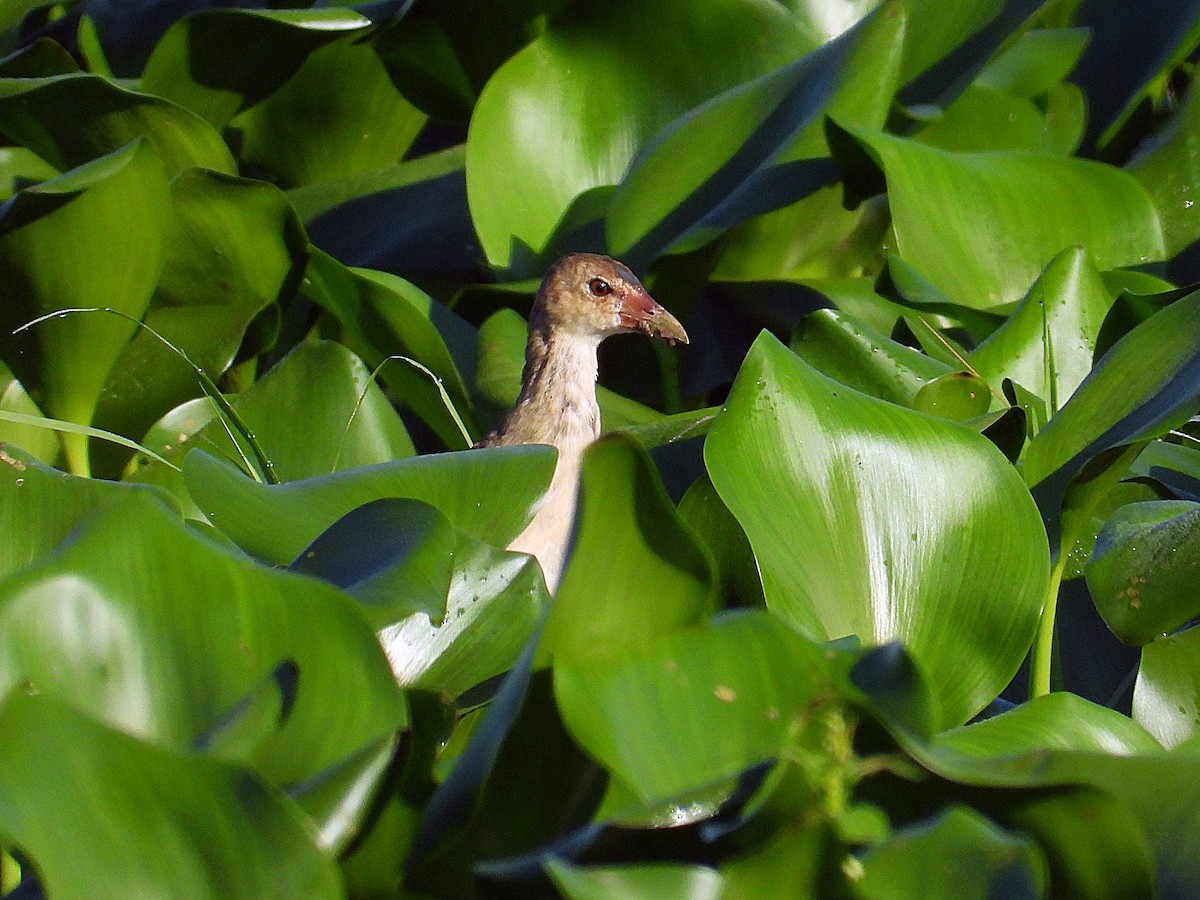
column 583, row 299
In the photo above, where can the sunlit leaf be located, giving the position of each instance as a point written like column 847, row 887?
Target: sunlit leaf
column 157, row 631
column 856, row 510
column 636, row 571
column 113, row 214
column 982, row 226
column 583, row 82
column 276, row 522
column 650, row 715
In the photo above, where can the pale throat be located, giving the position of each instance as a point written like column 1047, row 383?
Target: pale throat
column 558, row 398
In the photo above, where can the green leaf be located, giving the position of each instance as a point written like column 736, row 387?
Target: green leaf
column 956, row 395
column 648, row 881
column 1166, row 697
column 602, row 82
column 650, row 715
column 982, row 226
column 380, row 315
column 452, row 611
column 722, row 161
column 737, row 572
column 985, row 120
column 1047, row 344
column 213, row 826
column 69, row 120
column 862, row 358
column 1092, row 842
column 959, row 854
column 636, row 572
column 40, row 506
column 338, row 116
column 158, row 631
column 276, row 522
column 1060, row 720
column 1035, row 62
column 855, row 509
column 1144, row 568
column 113, row 214
column 214, row 61
column 1143, row 386
column 234, row 247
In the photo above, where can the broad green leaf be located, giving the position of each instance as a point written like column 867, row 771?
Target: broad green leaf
column 1144, row 569
column 813, row 240
column 69, row 120
column 860, row 357
column 982, row 119
column 173, row 824
column 234, row 248
column 958, row 855
column 856, row 511
column 216, row 62
column 1035, row 62
column 338, row 116
column 636, row 572
column 1166, row 698
column 337, row 420
column 713, row 166
column 1145, row 384
column 1151, row 827
column 982, row 226
column 647, row 881
column 1046, row 345
column 652, row 715
column 738, row 583
column 40, row 506
column 379, row 315
column 452, row 611
column 602, row 82
column 1060, row 720
column 1091, row 841
column 160, row 632
column 113, row 214
column 276, row 522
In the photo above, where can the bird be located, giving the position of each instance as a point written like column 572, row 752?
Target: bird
column 583, row 299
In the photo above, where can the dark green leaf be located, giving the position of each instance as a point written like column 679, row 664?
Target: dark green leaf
column 1144, row 569
column 69, row 120
column 213, row 827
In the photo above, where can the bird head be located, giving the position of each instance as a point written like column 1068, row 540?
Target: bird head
column 592, row 295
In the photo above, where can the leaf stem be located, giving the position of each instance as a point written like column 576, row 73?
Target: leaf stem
column 1043, row 644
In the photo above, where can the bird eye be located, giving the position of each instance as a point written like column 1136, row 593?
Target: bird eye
column 599, row 287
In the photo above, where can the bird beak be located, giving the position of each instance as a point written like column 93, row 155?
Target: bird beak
column 640, row 312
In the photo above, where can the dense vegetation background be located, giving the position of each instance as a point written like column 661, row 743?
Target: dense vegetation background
column 881, row 588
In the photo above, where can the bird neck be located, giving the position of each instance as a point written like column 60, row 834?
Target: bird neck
column 558, row 389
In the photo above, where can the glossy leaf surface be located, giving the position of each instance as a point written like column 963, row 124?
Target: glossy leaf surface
column 846, row 547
